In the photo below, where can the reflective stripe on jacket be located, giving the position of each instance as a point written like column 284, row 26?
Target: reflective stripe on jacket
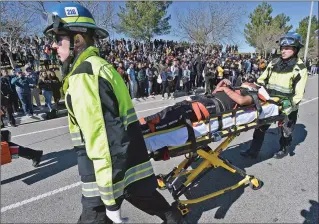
column 290, row 85
column 101, row 119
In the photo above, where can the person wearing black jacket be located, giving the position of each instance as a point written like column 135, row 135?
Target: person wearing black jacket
column 209, row 77
column 7, row 96
column 56, row 88
column 47, row 86
column 24, row 152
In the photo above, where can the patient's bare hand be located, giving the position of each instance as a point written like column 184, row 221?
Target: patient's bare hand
column 226, row 82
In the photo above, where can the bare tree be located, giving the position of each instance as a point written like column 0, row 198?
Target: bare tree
column 268, row 37
column 14, row 20
column 103, row 12
column 35, row 6
column 214, row 22
column 22, row 18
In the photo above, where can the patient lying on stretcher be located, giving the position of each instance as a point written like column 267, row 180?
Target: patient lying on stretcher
column 196, row 108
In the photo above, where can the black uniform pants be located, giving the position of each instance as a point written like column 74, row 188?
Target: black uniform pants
column 142, row 194
column 153, row 204
column 287, row 129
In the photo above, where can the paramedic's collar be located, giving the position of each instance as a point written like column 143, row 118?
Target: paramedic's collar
column 90, row 51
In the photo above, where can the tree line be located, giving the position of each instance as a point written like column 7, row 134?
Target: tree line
column 263, row 30
column 208, row 23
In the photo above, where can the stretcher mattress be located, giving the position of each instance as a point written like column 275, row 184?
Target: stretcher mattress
column 177, row 137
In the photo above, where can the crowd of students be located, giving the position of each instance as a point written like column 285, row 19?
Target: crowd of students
column 147, row 68
column 21, row 88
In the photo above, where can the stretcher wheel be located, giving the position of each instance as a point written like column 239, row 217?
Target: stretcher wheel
column 183, row 209
column 255, row 184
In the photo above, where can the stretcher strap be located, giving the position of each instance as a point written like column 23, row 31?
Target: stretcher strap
column 256, row 102
column 204, row 110
column 191, row 132
column 200, row 110
column 274, row 102
column 197, row 111
column 220, row 119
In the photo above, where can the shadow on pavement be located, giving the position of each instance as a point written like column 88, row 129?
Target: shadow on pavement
column 219, row 178
column 53, row 163
column 311, row 216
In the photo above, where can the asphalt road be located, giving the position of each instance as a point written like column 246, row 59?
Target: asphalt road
column 51, row 193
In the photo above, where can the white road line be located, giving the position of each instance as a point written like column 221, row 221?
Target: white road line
column 50, row 129
column 312, row 77
column 36, row 198
column 307, row 101
column 141, row 111
column 35, row 132
column 50, row 193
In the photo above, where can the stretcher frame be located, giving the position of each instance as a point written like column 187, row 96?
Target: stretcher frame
column 211, row 160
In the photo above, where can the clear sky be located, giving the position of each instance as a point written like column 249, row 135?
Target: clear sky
column 295, row 10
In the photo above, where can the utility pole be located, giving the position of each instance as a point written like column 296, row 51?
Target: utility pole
column 308, row 32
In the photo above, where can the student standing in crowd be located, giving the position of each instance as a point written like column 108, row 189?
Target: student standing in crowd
column 35, row 91
column 150, row 79
column 56, row 87
column 186, row 79
column 141, row 78
column 46, row 86
column 132, row 81
column 23, row 86
column 7, row 96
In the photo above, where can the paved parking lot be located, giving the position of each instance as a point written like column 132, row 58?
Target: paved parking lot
column 51, row 193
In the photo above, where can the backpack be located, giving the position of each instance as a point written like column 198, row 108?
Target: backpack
column 52, row 114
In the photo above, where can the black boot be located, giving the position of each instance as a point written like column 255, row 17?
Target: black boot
column 94, row 216
column 37, row 158
column 249, row 153
column 174, row 216
column 282, row 153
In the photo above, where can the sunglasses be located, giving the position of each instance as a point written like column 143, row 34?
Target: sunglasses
column 56, row 38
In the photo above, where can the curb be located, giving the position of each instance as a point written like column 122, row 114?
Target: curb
column 20, row 120
column 37, row 118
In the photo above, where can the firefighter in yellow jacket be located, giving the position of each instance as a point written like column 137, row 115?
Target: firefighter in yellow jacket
column 285, row 77
column 113, row 160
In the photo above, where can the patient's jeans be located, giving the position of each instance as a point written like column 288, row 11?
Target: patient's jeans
column 286, row 133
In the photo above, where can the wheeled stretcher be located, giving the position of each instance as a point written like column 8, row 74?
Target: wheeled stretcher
column 192, row 139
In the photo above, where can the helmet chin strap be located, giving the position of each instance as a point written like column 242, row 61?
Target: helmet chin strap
column 74, row 53
column 68, row 64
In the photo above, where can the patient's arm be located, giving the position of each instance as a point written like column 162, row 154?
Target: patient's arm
column 236, row 97
column 224, row 82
